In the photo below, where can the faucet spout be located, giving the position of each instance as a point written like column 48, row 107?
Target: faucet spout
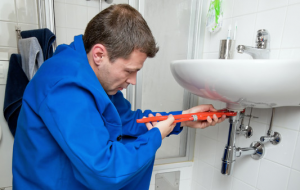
column 256, row 53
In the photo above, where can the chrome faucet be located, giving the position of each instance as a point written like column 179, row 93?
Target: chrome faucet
column 261, row 50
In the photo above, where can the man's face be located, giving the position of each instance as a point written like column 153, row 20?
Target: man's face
column 122, row 72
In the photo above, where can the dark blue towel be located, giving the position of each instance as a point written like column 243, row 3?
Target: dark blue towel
column 15, row 87
column 45, row 38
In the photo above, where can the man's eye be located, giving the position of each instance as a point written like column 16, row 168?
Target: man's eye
column 129, row 72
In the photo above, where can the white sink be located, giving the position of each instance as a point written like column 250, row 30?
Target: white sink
column 260, row 83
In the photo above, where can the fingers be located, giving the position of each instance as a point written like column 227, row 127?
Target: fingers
column 155, row 122
column 148, row 125
column 169, row 121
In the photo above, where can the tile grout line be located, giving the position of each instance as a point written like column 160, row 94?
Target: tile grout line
column 284, row 23
column 297, row 138
column 287, row 184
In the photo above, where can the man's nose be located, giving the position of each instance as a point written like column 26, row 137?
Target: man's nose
column 132, row 78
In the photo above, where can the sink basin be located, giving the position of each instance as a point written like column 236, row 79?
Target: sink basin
column 259, row 83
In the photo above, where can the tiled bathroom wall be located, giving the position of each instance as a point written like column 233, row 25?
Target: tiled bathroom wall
column 280, row 167
column 15, row 13
column 24, row 15
column 72, row 16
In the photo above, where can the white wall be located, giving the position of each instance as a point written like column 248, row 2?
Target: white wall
column 280, row 168
column 72, row 16
column 12, row 13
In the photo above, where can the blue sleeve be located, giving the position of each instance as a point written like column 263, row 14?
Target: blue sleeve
column 129, row 117
column 70, row 114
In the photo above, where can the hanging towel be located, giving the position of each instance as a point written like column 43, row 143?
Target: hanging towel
column 15, row 87
column 32, row 56
column 45, row 38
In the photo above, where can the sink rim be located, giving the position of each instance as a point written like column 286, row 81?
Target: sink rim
column 239, row 64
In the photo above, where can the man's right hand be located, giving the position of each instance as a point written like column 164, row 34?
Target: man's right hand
column 165, row 127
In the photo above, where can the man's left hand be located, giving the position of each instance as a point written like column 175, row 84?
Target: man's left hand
column 202, row 124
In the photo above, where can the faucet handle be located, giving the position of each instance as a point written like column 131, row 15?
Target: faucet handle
column 262, row 39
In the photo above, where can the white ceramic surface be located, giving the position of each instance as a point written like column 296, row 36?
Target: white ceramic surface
column 241, row 83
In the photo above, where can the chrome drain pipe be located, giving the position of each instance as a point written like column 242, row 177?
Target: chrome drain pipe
column 229, row 154
column 256, row 148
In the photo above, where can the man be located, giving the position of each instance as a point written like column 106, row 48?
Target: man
column 75, row 129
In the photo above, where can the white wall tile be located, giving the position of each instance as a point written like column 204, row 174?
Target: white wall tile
column 291, row 36
column 93, row 4
column 8, row 34
column 61, row 35
column 274, row 53
column 282, row 153
column 91, row 13
column 221, row 182
column 294, row 1
column 273, row 22
column 196, row 149
column 223, row 131
column 27, row 11
column 239, row 185
column 8, row 12
column 270, row 4
column 24, row 27
column 246, row 169
column 206, row 41
column 186, row 173
column 82, row 2
column 71, row 2
column 227, row 8
column 272, row 176
column 71, row 13
column 197, row 186
column 287, row 117
column 211, row 132
column 289, row 54
column 218, row 155
column 9, row 50
column 210, row 56
column 81, row 17
column 60, row 14
column 208, row 147
column 61, row 1
column 185, row 184
column 242, row 7
column 296, row 158
column 263, row 114
column 294, row 182
column 204, row 175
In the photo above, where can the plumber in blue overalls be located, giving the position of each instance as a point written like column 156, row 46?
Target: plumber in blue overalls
column 75, row 129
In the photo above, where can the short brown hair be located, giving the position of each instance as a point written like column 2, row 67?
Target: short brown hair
column 121, row 29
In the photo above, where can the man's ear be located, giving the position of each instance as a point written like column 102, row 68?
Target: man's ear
column 98, row 53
